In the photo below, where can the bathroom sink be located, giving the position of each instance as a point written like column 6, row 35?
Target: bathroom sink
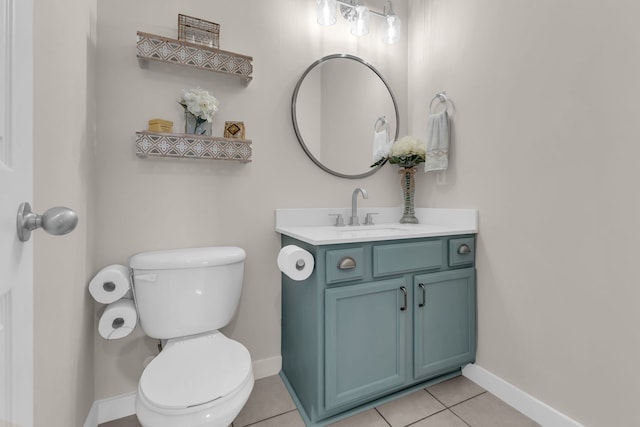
column 373, row 231
column 316, row 226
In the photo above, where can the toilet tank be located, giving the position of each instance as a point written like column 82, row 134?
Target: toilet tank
column 187, row 291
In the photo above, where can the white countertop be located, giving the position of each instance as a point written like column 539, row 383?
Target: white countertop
column 316, row 225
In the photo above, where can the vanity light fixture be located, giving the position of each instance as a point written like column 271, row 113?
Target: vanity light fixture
column 327, row 12
column 357, row 13
column 360, row 24
column 394, row 25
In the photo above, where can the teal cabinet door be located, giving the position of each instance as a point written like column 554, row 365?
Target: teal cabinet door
column 444, row 321
column 365, row 340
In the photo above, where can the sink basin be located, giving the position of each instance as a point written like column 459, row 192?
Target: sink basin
column 373, row 231
column 316, row 225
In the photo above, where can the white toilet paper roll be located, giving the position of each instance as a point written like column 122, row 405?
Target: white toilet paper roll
column 110, row 284
column 118, row 320
column 295, row 262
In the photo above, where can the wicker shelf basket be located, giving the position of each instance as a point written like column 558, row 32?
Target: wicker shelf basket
column 198, row 31
column 163, row 49
column 180, row 145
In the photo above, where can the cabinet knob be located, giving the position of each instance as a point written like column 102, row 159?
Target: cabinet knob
column 346, row 263
column 464, row 249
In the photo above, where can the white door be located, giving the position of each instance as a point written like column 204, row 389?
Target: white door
column 16, row 257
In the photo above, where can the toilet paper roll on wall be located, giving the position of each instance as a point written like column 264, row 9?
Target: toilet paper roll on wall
column 295, row 262
column 118, row 320
column 110, row 284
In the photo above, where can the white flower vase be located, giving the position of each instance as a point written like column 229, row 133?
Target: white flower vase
column 196, row 125
column 407, row 181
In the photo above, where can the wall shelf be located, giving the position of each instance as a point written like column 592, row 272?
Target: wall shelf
column 157, row 48
column 182, row 145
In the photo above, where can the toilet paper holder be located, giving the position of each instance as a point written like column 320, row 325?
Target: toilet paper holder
column 295, row 262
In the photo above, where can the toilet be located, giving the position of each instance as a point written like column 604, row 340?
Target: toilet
column 200, row 378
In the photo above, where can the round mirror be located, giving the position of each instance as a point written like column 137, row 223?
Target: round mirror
column 340, row 108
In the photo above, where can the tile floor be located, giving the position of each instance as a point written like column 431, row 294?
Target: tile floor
column 457, row 402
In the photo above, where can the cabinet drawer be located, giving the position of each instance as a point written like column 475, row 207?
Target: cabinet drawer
column 462, row 251
column 404, row 257
column 345, row 264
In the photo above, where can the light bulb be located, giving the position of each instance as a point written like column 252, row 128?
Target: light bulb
column 392, row 31
column 360, row 25
column 326, row 11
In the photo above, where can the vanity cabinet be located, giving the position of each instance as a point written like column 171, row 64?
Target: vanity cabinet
column 375, row 320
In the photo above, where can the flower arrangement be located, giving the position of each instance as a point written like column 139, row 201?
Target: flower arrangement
column 406, row 152
column 199, row 107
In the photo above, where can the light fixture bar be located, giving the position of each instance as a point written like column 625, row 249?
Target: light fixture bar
column 352, row 4
column 357, row 13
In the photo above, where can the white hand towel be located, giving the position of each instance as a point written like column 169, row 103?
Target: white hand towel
column 437, row 142
column 380, row 142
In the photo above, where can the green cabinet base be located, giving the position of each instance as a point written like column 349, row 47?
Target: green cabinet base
column 368, row 405
column 376, row 320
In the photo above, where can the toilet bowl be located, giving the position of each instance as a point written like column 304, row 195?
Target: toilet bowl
column 201, row 378
column 199, row 381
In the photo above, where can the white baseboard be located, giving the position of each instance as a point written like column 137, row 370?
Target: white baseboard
column 533, row 408
column 92, row 418
column 267, row 367
column 116, row 407
column 124, row 405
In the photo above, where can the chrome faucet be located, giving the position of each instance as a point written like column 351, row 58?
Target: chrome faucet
column 354, row 205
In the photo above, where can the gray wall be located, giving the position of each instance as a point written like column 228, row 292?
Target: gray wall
column 148, row 204
column 64, row 137
column 545, row 146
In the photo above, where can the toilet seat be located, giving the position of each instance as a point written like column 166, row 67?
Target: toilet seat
column 195, row 371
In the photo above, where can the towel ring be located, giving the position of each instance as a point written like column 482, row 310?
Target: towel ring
column 442, row 98
column 381, row 124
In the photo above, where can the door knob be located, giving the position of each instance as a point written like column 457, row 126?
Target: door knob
column 56, row 221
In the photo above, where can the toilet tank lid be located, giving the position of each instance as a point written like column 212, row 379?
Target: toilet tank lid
column 187, row 258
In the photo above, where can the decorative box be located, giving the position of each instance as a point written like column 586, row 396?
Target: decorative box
column 160, row 125
column 234, row 130
column 198, row 31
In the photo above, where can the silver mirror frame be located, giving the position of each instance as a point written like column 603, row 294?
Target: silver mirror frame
column 295, row 120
